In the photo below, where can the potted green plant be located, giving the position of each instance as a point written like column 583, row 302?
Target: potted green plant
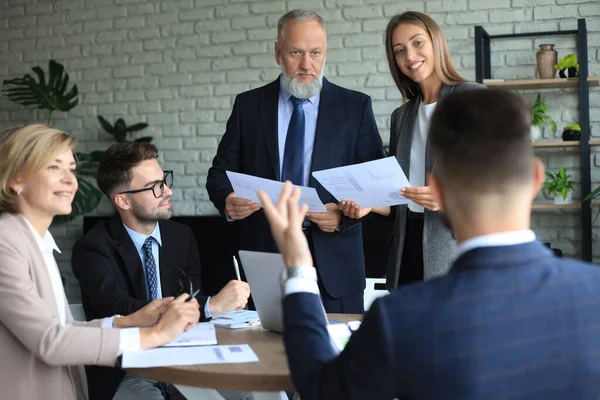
column 538, row 117
column 569, row 63
column 595, row 193
column 571, row 132
column 559, row 185
column 120, row 131
column 54, row 94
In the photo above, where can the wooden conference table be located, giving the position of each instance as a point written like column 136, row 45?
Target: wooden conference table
column 269, row 374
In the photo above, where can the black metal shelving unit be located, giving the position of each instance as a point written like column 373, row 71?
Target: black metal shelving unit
column 483, row 71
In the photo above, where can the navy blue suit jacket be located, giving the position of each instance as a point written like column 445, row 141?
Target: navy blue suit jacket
column 510, row 322
column 346, row 134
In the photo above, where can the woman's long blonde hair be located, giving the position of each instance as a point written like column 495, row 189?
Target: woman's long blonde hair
column 24, row 151
column 443, row 65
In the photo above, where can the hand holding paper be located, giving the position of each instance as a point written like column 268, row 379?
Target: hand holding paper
column 245, row 186
column 368, row 184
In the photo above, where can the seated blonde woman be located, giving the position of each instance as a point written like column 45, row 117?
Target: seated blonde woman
column 42, row 349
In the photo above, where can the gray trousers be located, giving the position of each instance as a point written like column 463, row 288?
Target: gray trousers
column 135, row 388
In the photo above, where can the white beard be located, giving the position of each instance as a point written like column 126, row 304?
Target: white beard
column 302, row 90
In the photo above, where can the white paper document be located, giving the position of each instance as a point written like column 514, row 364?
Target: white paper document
column 245, row 186
column 369, row 184
column 236, row 319
column 166, row 356
column 203, row 333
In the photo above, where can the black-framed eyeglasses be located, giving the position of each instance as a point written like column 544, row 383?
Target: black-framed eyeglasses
column 159, row 186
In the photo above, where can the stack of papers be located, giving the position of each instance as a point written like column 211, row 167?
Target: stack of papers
column 201, row 334
column 237, row 319
column 166, row 356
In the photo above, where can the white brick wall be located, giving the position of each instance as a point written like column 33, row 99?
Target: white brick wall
column 177, row 64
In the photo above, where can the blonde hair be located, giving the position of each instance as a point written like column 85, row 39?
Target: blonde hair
column 24, row 151
column 444, row 68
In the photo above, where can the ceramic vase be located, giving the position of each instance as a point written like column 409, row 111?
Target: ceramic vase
column 546, row 58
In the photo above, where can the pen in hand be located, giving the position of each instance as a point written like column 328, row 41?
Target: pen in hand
column 192, row 295
column 237, row 269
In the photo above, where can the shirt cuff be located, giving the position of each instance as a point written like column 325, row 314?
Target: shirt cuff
column 207, row 313
column 129, row 340
column 301, row 285
column 108, row 322
column 227, row 217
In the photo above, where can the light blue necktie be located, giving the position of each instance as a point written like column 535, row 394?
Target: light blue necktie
column 293, row 156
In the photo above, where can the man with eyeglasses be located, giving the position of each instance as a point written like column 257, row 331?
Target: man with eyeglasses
column 139, row 256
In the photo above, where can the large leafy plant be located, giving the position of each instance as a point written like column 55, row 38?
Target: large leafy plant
column 539, row 116
column 559, row 183
column 53, row 94
column 120, row 130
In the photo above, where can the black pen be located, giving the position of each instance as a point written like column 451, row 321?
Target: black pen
column 193, row 295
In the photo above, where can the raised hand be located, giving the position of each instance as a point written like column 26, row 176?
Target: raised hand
column 285, row 219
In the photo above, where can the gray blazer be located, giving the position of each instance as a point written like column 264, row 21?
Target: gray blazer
column 438, row 242
column 40, row 358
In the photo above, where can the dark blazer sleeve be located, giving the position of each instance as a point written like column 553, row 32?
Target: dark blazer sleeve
column 364, row 370
column 368, row 148
column 228, row 157
column 193, row 270
column 100, row 279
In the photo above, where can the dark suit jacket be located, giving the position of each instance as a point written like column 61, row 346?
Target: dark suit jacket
column 346, row 134
column 506, row 322
column 111, row 277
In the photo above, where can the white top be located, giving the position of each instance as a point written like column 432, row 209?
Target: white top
column 129, row 339
column 417, row 150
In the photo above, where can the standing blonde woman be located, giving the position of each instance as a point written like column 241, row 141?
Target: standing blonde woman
column 42, row 349
column 420, row 64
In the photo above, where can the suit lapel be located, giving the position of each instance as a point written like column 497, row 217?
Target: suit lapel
column 327, row 127
column 407, row 126
column 267, row 104
column 44, row 284
column 166, row 263
column 130, row 256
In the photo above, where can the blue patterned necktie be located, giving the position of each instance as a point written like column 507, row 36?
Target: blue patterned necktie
column 150, row 267
column 152, row 282
column 293, row 156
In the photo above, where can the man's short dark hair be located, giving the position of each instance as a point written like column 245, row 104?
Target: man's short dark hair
column 481, row 139
column 114, row 171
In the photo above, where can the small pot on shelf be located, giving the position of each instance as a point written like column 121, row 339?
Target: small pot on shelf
column 571, row 135
column 559, row 200
column 535, row 133
column 570, row 73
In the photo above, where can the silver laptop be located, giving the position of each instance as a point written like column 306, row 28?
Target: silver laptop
column 263, row 271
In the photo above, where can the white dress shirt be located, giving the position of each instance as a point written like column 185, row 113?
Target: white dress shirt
column 510, row 238
column 129, row 339
column 416, row 174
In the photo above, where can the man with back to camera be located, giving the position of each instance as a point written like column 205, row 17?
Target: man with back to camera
column 140, row 255
column 285, row 130
column 510, row 320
